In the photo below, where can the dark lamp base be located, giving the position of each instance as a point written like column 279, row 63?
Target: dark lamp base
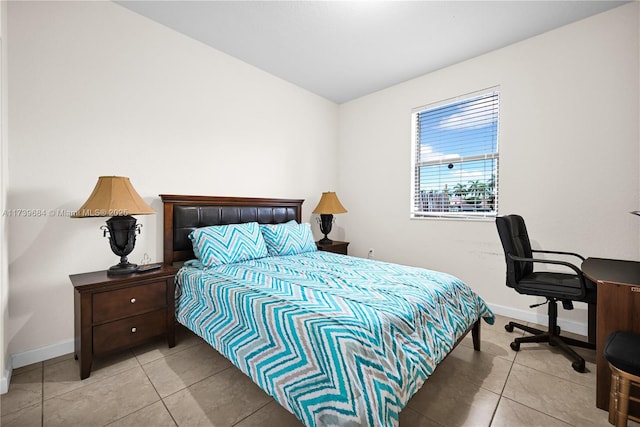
column 120, row 269
column 326, row 221
column 325, row 241
column 122, row 238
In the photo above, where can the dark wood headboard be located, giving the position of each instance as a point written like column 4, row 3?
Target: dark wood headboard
column 183, row 214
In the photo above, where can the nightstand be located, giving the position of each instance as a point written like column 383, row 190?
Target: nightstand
column 116, row 312
column 335, row 247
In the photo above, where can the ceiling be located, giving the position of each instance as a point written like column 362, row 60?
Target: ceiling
column 342, row 50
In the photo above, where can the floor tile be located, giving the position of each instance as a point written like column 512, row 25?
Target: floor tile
column 25, row 390
column 411, row 418
column 510, row 414
column 179, row 370
column 101, row 402
column 545, row 358
column 30, row 416
column 64, row 376
column 59, row 359
column 272, row 414
column 448, row 398
column 159, row 348
column 221, row 400
column 23, row 369
column 565, row 400
column 476, row 367
column 112, row 364
column 154, row 415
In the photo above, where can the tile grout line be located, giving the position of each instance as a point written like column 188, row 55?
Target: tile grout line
column 199, row 381
column 169, row 412
column 178, row 391
column 84, row 385
column 150, row 382
column 155, row 389
column 495, row 410
column 260, row 408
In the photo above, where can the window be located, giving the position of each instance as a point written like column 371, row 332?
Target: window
column 455, row 158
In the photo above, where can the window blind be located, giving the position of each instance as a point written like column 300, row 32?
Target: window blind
column 455, row 157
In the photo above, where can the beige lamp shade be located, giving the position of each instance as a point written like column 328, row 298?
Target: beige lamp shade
column 113, row 196
column 329, row 204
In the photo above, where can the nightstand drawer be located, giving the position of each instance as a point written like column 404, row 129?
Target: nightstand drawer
column 128, row 332
column 128, row 301
column 335, row 247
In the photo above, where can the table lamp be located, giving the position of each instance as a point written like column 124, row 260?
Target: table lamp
column 328, row 205
column 115, row 197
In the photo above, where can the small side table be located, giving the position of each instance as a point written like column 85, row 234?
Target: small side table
column 116, row 312
column 335, row 247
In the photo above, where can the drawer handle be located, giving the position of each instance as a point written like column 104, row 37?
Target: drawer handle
column 133, row 330
column 133, row 300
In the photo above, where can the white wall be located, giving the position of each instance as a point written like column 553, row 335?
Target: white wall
column 95, row 89
column 569, row 147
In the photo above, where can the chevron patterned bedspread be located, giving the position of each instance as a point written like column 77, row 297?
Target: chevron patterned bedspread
column 337, row 340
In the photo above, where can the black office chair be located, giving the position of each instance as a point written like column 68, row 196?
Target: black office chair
column 564, row 287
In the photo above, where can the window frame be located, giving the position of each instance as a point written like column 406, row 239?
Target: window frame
column 415, row 213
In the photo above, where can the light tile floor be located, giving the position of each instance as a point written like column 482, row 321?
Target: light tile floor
column 192, row 385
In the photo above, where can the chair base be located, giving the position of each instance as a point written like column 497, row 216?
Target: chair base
column 552, row 336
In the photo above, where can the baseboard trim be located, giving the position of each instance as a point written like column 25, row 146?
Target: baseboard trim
column 41, row 354
column 5, row 380
column 30, row 357
column 539, row 318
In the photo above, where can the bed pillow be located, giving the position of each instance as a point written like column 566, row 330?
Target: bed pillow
column 288, row 239
column 226, row 244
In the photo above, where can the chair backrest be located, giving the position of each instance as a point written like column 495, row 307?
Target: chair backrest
column 515, row 241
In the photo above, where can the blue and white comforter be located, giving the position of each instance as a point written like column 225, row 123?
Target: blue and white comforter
column 336, row 340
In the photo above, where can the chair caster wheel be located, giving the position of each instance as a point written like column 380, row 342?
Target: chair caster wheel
column 508, row 328
column 515, row 346
column 578, row 366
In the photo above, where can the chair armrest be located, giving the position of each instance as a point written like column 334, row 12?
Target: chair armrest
column 556, row 262
column 557, row 252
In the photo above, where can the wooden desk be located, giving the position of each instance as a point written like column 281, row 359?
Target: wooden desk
column 618, row 308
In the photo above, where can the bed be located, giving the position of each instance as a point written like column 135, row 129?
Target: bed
column 336, row 340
